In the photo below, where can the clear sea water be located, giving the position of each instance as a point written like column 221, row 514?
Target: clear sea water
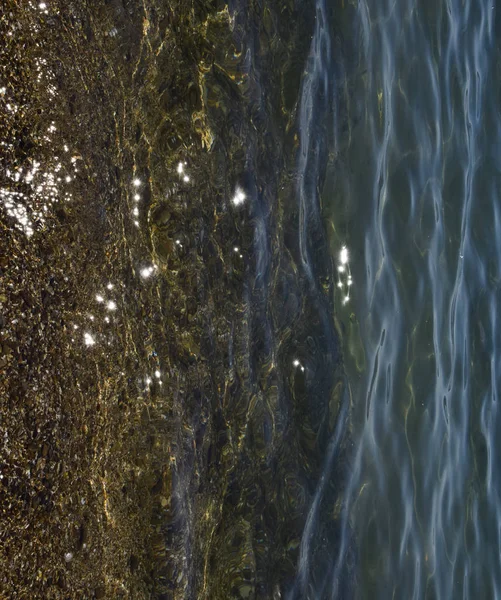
column 412, row 192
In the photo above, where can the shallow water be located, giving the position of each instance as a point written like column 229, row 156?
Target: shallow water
column 299, row 202
column 414, row 195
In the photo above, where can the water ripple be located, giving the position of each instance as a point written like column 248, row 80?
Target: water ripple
column 423, row 167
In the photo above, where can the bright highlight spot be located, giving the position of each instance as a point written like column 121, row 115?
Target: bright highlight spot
column 345, row 279
column 238, row 198
column 136, row 182
column 111, row 305
column 146, row 272
column 89, row 340
column 99, row 298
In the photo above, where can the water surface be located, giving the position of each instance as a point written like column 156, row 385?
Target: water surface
column 414, row 194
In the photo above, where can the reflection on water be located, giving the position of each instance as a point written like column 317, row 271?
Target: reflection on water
column 416, row 193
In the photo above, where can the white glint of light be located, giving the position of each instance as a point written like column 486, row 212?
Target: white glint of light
column 89, row 340
column 137, row 197
column 146, row 272
column 107, row 319
column 148, row 380
column 297, row 364
column 239, row 197
column 111, row 305
column 157, row 374
column 42, row 6
column 345, row 278
column 186, row 178
column 236, row 249
column 136, row 212
column 136, row 223
column 180, row 168
column 136, row 182
column 110, row 286
column 99, row 298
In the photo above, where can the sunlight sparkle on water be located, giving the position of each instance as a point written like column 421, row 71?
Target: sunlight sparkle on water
column 89, row 340
column 345, row 279
column 146, row 272
column 238, row 198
